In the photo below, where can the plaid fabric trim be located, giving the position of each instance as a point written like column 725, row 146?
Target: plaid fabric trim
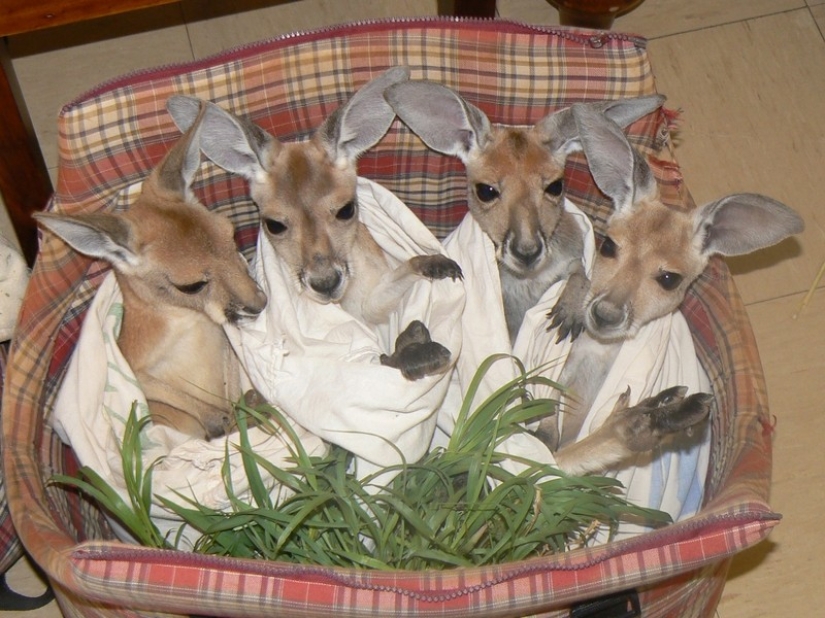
column 175, row 581
column 112, row 140
column 10, row 547
column 516, row 74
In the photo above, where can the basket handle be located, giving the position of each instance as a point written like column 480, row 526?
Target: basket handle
column 623, row 604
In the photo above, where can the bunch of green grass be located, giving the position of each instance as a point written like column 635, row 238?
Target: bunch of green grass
column 459, row 506
column 135, row 515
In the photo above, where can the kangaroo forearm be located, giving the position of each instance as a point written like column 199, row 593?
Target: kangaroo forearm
column 389, row 293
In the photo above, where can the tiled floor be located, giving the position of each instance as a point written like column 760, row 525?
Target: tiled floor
column 749, row 76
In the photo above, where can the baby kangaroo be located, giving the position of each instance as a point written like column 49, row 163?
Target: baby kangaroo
column 306, row 193
column 516, row 193
column 515, row 180
column 651, row 254
column 182, row 280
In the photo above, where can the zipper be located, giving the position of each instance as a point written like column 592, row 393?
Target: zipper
column 596, row 41
column 334, row 577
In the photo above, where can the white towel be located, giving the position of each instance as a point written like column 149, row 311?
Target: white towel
column 90, row 414
column 14, row 277
column 321, row 365
column 661, row 355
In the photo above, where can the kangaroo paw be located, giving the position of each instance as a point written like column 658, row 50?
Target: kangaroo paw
column 436, row 267
column 416, row 354
column 219, row 424
column 423, row 359
column 253, row 399
column 567, row 322
column 645, row 425
column 548, row 432
column 568, row 314
column 416, row 332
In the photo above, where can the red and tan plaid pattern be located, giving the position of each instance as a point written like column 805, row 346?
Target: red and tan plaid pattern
column 112, row 136
column 10, row 548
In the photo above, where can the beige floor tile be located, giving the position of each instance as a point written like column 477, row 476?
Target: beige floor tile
column 754, row 130
column 818, row 13
column 657, row 18
column 55, row 66
column 214, row 27
column 776, row 578
column 22, row 578
column 530, row 11
column 751, row 96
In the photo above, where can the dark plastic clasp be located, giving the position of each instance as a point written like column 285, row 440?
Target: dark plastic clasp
column 15, row 602
column 620, row 605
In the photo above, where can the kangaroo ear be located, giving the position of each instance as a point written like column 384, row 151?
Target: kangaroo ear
column 625, row 112
column 609, row 154
column 744, row 222
column 104, row 236
column 362, row 121
column 236, row 145
column 561, row 130
column 596, row 129
column 440, row 117
column 179, row 166
column 619, row 171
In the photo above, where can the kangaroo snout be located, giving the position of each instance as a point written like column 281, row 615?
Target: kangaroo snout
column 240, row 310
column 526, row 253
column 607, row 320
column 326, row 280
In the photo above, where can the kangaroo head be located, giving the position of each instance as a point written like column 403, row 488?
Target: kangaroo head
column 169, row 252
column 653, row 252
column 515, row 175
column 306, row 191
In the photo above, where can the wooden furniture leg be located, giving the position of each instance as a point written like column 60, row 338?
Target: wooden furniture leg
column 597, row 14
column 25, row 185
column 467, row 8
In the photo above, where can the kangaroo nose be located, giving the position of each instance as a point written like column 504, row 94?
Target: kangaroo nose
column 259, row 303
column 240, row 309
column 607, row 315
column 326, row 285
column 527, row 254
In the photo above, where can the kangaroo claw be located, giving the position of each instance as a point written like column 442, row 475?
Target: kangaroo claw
column 645, row 425
column 436, row 267
column 568, row 323
column 568, row 313
column 416, row 355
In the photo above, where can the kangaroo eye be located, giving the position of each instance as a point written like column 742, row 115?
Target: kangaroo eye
column 608, row 248
column 191, row 288
column 555, row 188
column 486, row 193
column 275, row 227
column 346, row 212
column 669, row 281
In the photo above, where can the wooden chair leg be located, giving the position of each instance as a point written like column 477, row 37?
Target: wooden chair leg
column 25, row 185
column 467, row 8
column 597, row 14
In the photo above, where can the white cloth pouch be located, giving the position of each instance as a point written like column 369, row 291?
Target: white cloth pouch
column 90, row 413
column 670, row 478
column 14, row 277
column 320, row 365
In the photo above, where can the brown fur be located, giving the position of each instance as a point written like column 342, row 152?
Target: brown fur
column 537, row 242
column 651, row 255
column 306, row 193
column 652, row 240
column 182, row 279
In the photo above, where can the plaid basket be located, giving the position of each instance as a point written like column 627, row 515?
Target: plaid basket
column 111, row 137
column 10, row 548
